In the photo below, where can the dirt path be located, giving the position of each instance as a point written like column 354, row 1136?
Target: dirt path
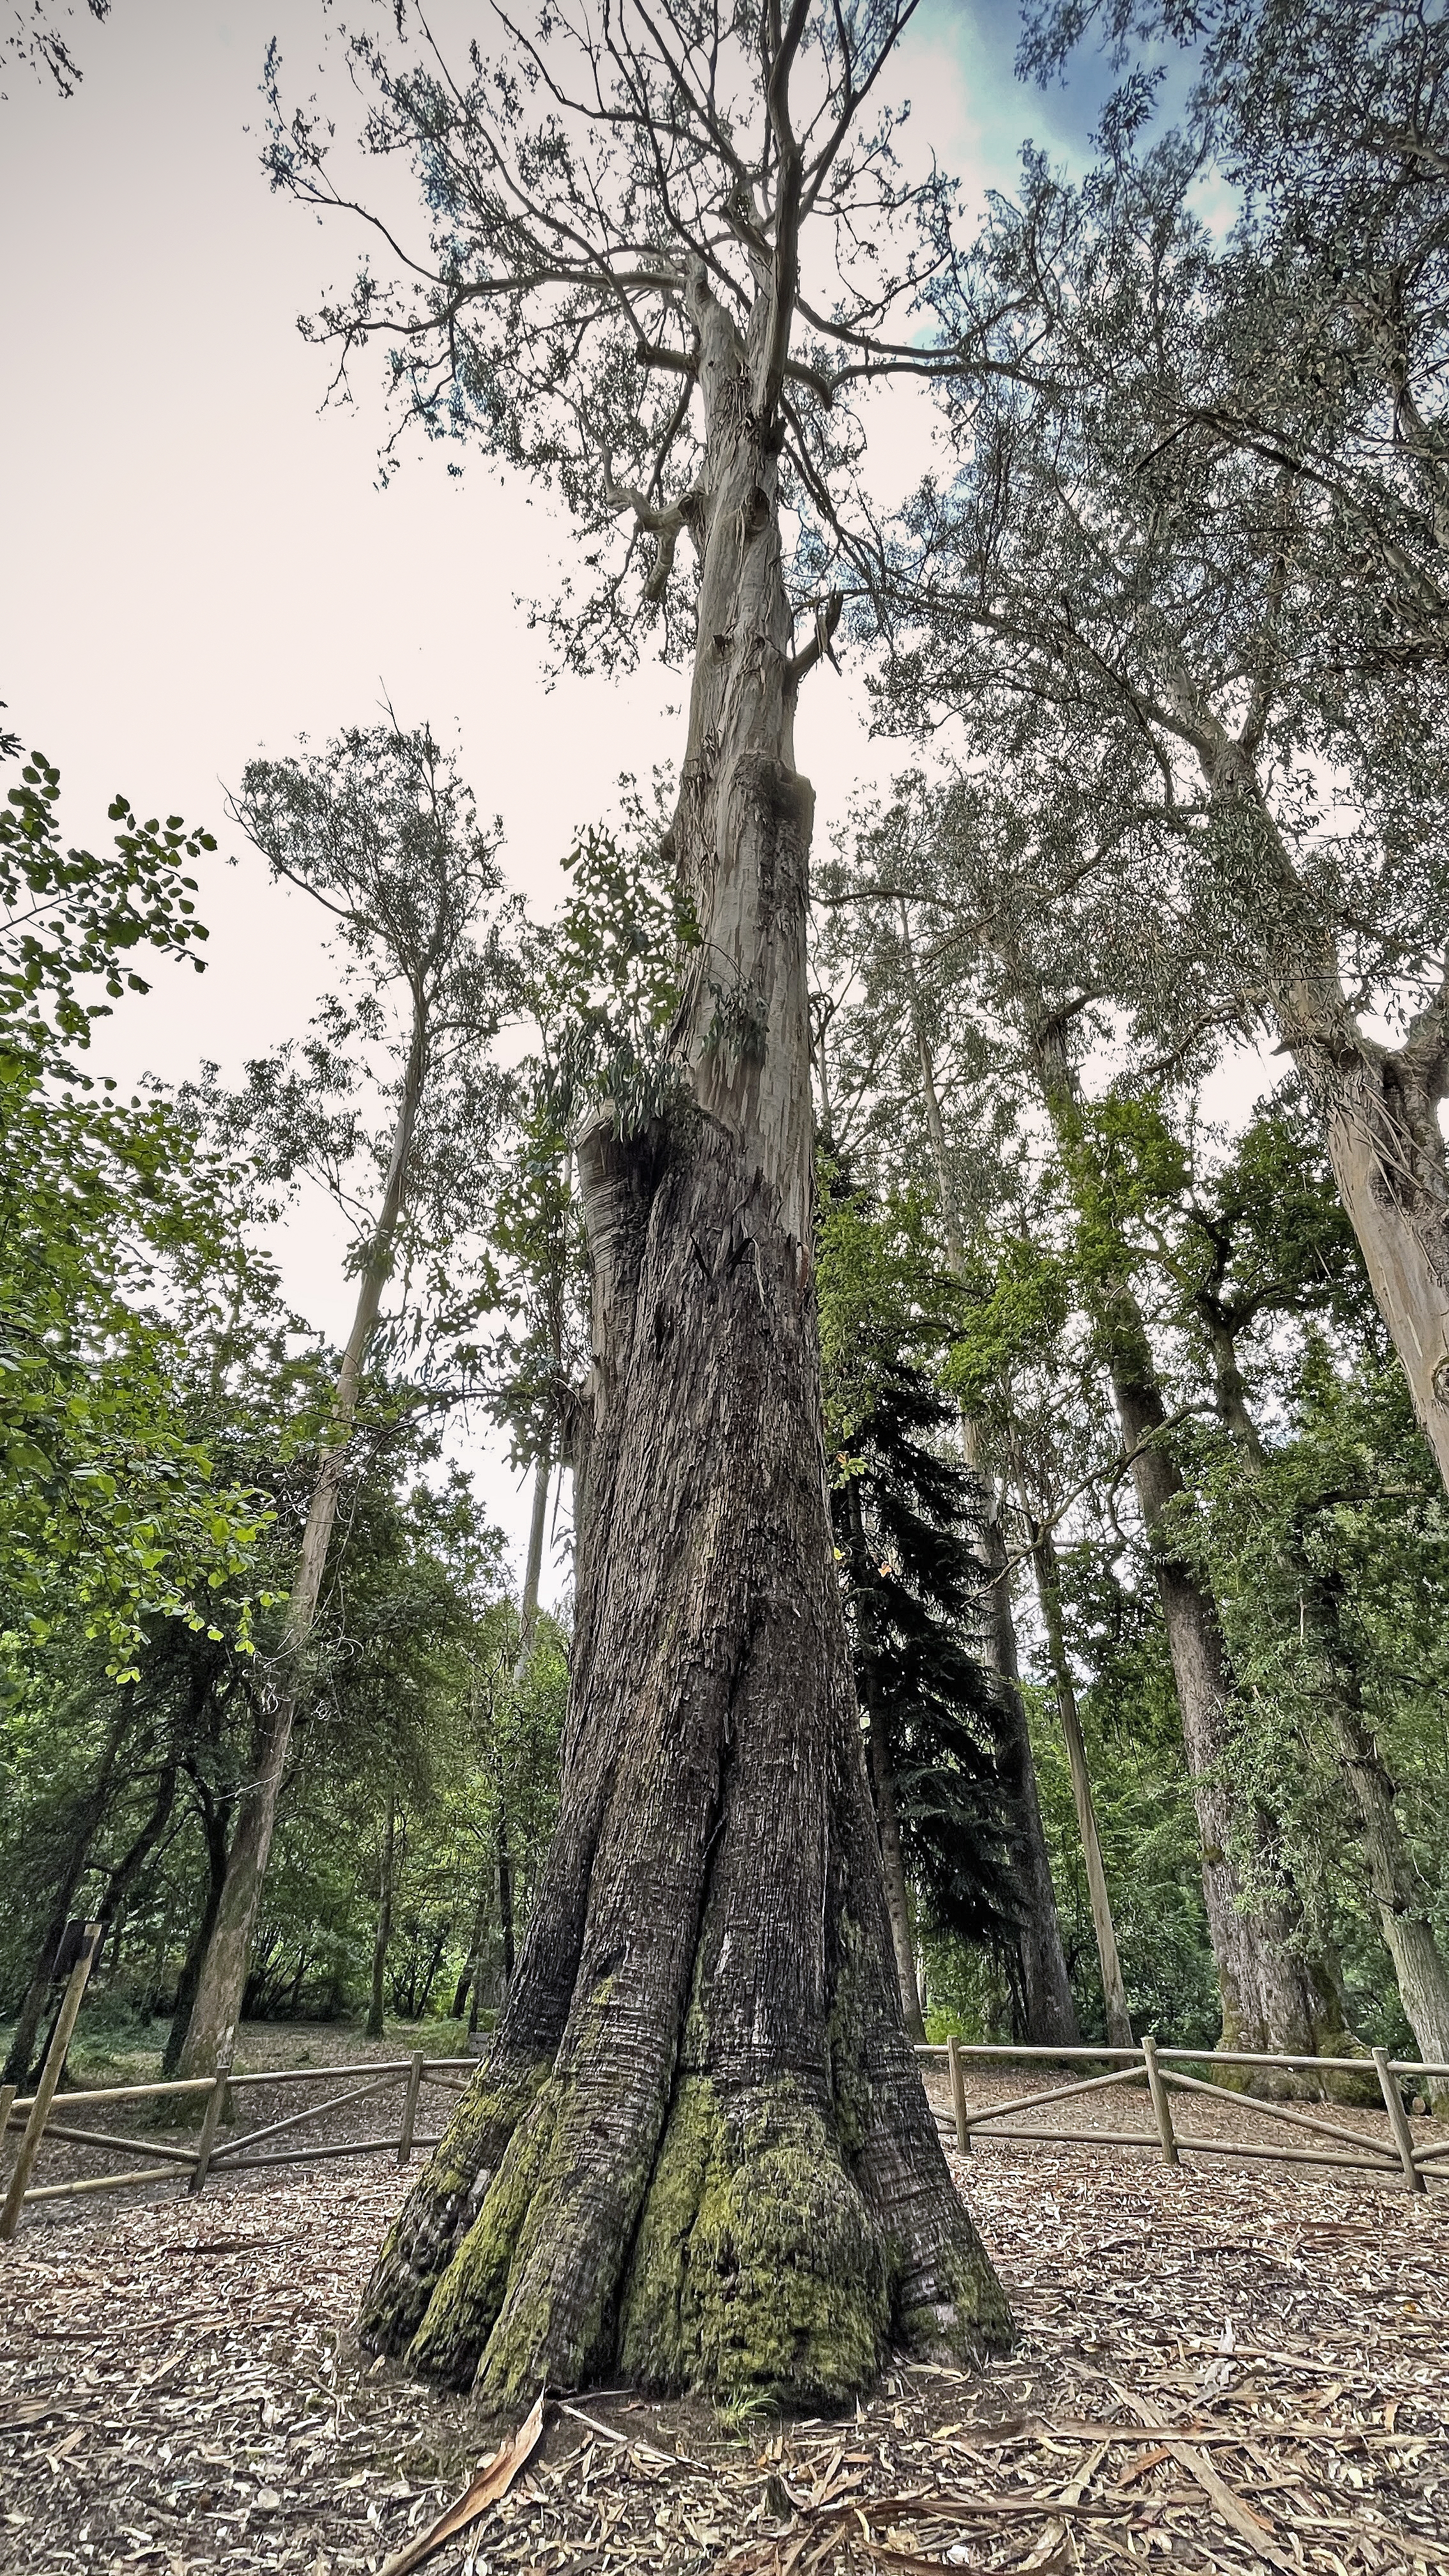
column 179, row 2392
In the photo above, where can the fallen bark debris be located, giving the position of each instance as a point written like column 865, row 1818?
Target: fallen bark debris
column 488, row 2484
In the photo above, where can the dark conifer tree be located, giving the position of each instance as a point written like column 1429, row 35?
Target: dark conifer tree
column 905, row 1520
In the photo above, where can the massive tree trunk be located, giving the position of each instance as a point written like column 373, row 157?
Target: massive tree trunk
column 1049, row 2011
column 699, row 2151
column 222, row 1983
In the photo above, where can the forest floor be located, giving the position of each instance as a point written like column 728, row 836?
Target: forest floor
column 1222, row 2367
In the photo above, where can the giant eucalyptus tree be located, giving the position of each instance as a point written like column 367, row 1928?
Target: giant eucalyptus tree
column 662, row 247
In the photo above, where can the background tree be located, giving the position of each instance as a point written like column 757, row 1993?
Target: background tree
column 383, row 832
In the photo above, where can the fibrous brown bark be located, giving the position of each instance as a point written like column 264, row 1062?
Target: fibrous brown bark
column 699, row 2150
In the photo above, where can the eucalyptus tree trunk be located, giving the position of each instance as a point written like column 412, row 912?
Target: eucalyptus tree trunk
column 1398, row 1892
column 384, row 1922
column 883, row 1774
column 533, row 1564
column 1274, row 1999
column 222, row 1982
column 1400, row 1895
column 1049, row 2009
column 1378, row 1105
column 699, row 2152
column 1049, row 1593
column 213, row 1825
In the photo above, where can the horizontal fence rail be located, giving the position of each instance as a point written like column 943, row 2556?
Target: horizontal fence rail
column 47, row 2115
column 1162, row 2071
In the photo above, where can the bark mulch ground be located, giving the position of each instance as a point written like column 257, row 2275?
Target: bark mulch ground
column 1227, row 2368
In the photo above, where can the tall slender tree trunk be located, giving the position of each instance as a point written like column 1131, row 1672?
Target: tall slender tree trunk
column 1400, row 1895
column 1049, row 2010
column 222, row 1982
column 473, row 1965
column 1049, row 1592
column 213, row 1824
column 699, row 2150
column 883, row 1775
column 533, row 1564
column 1274, row 1999
column 384, row 1922
column 505, row 1894
column 1420, row 1969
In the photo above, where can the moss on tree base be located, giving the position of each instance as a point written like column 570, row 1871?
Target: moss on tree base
column 757, row 2267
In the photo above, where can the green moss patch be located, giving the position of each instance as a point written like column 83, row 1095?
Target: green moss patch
column 465, row 2305
column 757, row 2268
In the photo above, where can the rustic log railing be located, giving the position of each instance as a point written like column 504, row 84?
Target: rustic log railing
column 213, row 2153
column 1161, row 2070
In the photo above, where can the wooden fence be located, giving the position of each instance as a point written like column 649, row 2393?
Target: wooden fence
column 1160, row 2070
column 213, row 2153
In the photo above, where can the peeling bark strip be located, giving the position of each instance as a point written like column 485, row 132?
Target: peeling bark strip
column 700, row 2150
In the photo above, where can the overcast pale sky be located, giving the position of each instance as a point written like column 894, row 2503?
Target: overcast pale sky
column 197, row 560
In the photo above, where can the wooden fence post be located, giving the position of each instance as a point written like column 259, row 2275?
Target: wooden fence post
column 410, row 2106
column 1160, row 2103
column 50, row 2074
column 211, row 2119
column 7, row 2096
column 958, row 2095
column 1398, row 2124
